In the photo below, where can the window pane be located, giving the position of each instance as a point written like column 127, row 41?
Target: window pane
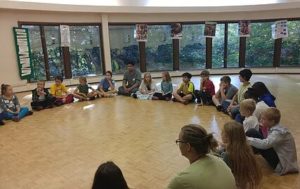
column 123, row 47
column 233, row 46
column 192, row 47
column 85, row 51
column 159, row 48
column 218, row 47
column 52, row 34
column 39, row 72
column 260, row 45
column 290, row 52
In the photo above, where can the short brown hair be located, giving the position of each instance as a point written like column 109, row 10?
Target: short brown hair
column 204, row 73
column 272, row 114
column 109, row 72
column 226, row 79
column 81, row 78
column 249, row 105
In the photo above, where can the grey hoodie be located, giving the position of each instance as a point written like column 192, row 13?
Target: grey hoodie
column 282, row 141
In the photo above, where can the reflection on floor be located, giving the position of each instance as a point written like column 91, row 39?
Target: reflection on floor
column 62, row 147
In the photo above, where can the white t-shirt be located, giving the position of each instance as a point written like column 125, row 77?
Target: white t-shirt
column 260, row 107
column 250, row 122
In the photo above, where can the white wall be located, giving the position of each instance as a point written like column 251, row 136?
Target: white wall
column 9, row 19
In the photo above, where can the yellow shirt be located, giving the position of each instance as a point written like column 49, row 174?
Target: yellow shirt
column 241, row 92
column 186, row 88
column 58, row 90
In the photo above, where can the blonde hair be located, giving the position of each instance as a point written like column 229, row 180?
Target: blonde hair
column 272, row 114
column 242, row 161
column 145, row 81
column 81, row 78
column 248, row 105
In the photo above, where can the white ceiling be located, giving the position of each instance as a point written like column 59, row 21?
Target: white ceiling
column 149, row 6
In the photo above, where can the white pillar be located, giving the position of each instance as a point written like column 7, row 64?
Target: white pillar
column 105, row 38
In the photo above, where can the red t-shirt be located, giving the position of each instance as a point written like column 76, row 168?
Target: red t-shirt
column 209, row 87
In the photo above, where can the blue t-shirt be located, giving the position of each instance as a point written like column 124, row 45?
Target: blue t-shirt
column 105, row 84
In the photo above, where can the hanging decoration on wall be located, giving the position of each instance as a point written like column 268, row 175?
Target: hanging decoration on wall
column 22, row 43
column 280, row 29
column 244, row 28
column 210, row 29
column 65, row 36
column 176, row 31
column 141, row 32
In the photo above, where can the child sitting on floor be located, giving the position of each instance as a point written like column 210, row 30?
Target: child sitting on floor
column 11, row 105
column 82, row 91
column 279, row 147
column 166, row 88
column 2, row 116
column 106, row 87
column 247, row 108
column 185, row 93
column 41, row 98
column 233, row 107
column 263, row 93
column 239, row 156
column 207, row 89
column 225, row 93
column 147, row 88
column 60, row 92
column 261, row 106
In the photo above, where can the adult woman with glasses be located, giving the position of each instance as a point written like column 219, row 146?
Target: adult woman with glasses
column 205, row 171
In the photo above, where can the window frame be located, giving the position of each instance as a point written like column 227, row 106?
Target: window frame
column 65, row 51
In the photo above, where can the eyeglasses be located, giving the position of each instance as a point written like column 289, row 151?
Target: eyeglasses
column 180, row 141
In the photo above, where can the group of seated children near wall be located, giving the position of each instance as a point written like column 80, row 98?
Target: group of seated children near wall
column 10, row 108
column 229, row 164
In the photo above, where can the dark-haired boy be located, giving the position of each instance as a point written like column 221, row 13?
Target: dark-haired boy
column 185, row 93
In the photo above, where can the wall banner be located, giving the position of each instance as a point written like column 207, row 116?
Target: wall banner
column 22, row 44
column 65, row 40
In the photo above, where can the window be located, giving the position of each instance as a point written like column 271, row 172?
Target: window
column 260, row 45
column 192, row 47
column 218, row 47
column 123, row 47
column 159, row 48
column 233, row 46
column 85, row 51
column 37, row 55
column 52, row 37
column 290, row 50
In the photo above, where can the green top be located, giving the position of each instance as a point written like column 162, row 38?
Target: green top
column 209, row 172
column 241, row 92
column 132, row 78
column 84, row 88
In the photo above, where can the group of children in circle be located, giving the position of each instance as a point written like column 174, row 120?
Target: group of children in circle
column 256, row 127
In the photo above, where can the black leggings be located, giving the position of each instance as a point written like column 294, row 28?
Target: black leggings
column 203, row 97
column 44, row 104
column 269, row 154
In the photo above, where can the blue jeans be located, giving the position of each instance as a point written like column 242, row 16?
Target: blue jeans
column 2, row 116
column 23, row 112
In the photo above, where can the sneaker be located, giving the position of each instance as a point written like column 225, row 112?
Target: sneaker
column 29, row 113
column 2, row 123
column 219, row 108
column 38, row 108
column 16, row 119
column 134, row 95
column 92, row 98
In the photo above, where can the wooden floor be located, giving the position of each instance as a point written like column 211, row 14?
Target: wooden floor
column 61, row 148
